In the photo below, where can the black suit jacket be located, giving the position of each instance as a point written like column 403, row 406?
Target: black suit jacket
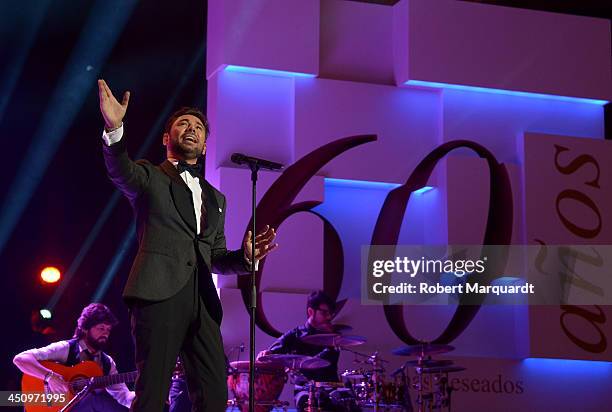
column 166, row 227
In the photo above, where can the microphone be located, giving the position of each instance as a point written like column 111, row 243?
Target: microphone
column 241, row 159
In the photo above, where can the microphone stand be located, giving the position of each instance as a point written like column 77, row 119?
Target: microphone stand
column 255, row 165
column 78, row 397
column 253, row 306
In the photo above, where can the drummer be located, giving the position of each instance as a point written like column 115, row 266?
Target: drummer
column 320, row 310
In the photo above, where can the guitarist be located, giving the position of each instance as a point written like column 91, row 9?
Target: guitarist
column 90, row 338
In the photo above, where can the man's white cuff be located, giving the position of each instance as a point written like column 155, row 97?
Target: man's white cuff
column 113, row 136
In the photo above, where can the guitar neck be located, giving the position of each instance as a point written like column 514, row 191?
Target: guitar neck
column 104, row 381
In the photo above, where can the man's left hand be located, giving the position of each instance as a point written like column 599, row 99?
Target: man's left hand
column 264, row 243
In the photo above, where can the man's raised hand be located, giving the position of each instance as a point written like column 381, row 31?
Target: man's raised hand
column 112, row 111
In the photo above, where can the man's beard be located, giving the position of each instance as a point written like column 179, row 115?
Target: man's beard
column 99, row 344
column 188, row 152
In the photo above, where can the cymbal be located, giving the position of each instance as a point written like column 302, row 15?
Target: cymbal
column 333, row 339
column 440, row 369
column 428, row 363
column 423, row 349
column 295, row 361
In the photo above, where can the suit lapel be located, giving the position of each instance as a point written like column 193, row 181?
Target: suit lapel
column 181, row 195
column 212, row 207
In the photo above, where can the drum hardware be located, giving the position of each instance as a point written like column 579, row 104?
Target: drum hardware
column 371, row 387
column 436, row 370
column 311, row 398
column 325, row 395
column 437, row 397
column 427, row 363
column 238, row 349
column 366, row 358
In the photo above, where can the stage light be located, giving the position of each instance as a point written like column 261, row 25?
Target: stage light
column 267, row 72
column 570, row 367
column 42, row 321
column 50, row 274
column 45, row 314
column 360, row 184
column 422, row 190
column 437, row 85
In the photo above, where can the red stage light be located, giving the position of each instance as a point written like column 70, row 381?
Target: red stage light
column 50, row 274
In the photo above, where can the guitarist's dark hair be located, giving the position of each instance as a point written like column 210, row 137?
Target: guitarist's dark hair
column 94, row 314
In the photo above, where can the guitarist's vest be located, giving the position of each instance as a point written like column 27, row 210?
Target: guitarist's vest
column 73, row 356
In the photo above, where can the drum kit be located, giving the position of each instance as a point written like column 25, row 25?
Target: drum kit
column 366, row 388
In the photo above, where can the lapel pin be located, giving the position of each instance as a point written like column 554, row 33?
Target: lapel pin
column 220, row 211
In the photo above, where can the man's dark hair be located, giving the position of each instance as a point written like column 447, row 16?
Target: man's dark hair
column 185, row 111
column 92, row 315
column 317, row 297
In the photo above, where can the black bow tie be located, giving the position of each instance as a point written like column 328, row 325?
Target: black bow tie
column 194, row 169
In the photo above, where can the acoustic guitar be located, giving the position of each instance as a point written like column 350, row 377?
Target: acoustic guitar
column 77, row 377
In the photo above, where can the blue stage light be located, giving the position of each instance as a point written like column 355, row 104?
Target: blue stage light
column 570, row 367
column 422, row 190
column 129, row 239
column 505, row 92
column 267, row 72
column 360, row 184
column 101, row 30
